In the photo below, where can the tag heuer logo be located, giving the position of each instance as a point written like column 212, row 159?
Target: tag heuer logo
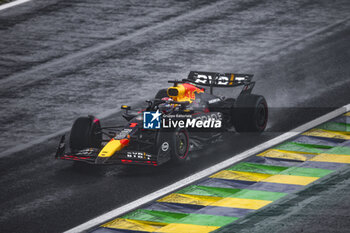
column 151, row 120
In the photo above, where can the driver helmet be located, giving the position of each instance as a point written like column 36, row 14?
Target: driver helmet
column 166, row 107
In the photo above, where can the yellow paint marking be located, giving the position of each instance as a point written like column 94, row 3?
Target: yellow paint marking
column 257, row 177
column 189, row 199
column 347, row 114
column 241, row 203
column 287, row 179
column 231, row 80
column 331, row 158
column 238, row 175
column 188, row 228
column 327, row 134
column 283, row 154
column 134, row 225
column 214, row 201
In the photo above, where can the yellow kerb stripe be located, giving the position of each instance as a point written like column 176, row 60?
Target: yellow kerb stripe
column 134, row 225
column 237, row 175
column 282, row 154
column 347, row 114
column 287, row 179
column 327, row 134
column 331, row 158
column 257, row 177
column 214, row 201
column 189, row 199
column 188, row 228
column 241, row 203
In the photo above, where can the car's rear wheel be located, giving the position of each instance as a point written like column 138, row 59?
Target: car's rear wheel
column 85, row 133
column 250, row 113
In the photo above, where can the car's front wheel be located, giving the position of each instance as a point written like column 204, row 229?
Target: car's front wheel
column 85, row 133
column 180, row 145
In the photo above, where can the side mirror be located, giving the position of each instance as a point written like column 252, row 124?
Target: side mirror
column 126, row 107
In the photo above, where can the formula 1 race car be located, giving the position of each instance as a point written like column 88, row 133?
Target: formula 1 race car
column 180, row 118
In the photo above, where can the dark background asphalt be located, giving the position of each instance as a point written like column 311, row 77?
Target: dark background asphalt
column 63, row 59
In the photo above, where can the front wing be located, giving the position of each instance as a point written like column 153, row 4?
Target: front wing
column 90, row 155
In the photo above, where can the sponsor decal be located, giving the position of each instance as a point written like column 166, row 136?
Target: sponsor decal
column 85, row 152
column 165, row 146
column 138, row 155
column 208, row 79
column 151, row 120
column 122, row 134
column 214, row 101
column 240, row 79
column 219, row 79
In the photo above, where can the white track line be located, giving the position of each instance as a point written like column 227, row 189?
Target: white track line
column 25, row 146
column 236, row 158
column 305, row 37
column 11, row 4
column 23, row 78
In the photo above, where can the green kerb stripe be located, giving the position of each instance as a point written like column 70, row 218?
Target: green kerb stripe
column 258, row 168
column 208, row 191
column 338, row 150
column 169, row 217
column 313, row 146
column 154, row 216
column 207, row 220
column 335, row 126
column 303, row 171
column 273, row 170
column 298, row 147
column 227, row 192
column 259, row 195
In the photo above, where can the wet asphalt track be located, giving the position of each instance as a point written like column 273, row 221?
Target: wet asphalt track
column 63, row 59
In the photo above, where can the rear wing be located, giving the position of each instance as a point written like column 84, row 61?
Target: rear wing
column 212, row 79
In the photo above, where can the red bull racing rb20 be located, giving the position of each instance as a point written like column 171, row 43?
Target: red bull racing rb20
column 181, row 118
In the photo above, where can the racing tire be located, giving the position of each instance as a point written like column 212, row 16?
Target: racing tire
column 161, row 94
column 250, row 113
column 180, row 145
column 85, row 133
